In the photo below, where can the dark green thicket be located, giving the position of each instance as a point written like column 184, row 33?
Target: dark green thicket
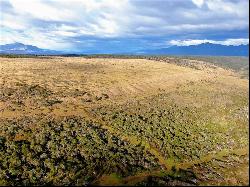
column 70, row 151
column 180, row 132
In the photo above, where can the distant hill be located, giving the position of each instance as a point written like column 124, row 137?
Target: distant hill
column 207, row 49
column 202, row 49
column 19, row 48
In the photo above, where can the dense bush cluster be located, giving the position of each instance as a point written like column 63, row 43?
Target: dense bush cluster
column 70, row 151
column 179, row 132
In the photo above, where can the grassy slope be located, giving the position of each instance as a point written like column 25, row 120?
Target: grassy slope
column 117, row 121
column 238, row 64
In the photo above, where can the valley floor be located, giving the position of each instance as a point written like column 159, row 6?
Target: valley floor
column 105, row 121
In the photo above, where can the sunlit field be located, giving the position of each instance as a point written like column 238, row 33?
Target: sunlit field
column 123, row 121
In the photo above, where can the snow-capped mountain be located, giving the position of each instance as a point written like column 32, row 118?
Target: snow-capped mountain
column 19, row 48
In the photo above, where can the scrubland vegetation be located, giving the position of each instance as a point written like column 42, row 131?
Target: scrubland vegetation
column 101, row 120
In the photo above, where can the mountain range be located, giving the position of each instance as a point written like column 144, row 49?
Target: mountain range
column 207, row 49
column 19, row 48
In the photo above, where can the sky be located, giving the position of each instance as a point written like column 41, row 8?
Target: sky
column 123, row 25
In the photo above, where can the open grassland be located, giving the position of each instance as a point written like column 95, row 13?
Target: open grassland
column 237, row 64
column 108, row 121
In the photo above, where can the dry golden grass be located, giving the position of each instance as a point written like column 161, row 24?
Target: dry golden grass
column 208, row 95
column 77, row 79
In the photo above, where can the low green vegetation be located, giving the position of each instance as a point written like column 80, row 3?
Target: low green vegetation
column 194, row 133
column 67, row 151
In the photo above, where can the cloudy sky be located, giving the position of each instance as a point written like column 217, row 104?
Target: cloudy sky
column 123, row 25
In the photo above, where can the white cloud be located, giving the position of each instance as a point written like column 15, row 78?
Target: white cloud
column 57, row 22
column 12, row 24
column 33, row 37
column 235, row 42
column 241, row 41
column 198, row 3
column 226, row 7
column 64, row 33
column 41, row 10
